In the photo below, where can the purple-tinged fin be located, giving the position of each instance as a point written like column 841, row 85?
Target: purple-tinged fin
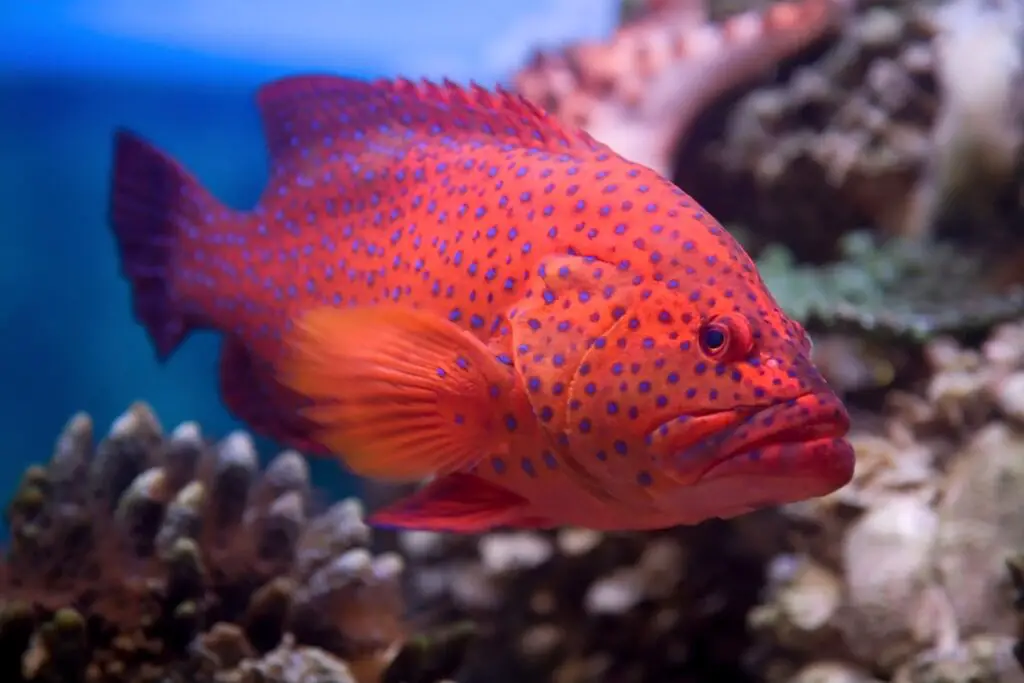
column 460, row 502
column 312, row 120
column 153, row 203
column 251, row 394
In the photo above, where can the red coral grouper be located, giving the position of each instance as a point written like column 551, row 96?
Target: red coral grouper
column 446, row 283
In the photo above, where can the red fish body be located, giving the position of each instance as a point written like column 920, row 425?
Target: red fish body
column 446, row 283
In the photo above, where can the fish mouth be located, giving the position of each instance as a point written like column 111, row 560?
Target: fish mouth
column 810, row 417
column 786, row 452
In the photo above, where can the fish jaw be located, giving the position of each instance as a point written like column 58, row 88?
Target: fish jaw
column 801, row 440
column 783, row 453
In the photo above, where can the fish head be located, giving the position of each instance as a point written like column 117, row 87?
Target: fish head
column 712, row 387
column 743, row 418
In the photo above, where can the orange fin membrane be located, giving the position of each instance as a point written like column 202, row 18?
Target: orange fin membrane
column 459, row 502
column 398, row 394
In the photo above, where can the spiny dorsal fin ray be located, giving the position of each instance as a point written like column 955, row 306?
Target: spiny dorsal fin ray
column 310, row 120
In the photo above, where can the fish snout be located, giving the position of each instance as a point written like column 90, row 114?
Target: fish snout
column 792, row 450
column 789, row 451
column 807, row 377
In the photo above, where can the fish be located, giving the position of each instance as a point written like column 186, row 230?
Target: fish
column 445, row 285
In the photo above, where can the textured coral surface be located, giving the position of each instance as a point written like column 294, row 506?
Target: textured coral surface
column 163, row 557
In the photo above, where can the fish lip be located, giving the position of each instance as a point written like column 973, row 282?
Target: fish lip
column 826, row 418
column 822, row 417
column 822, row 422
column 788, row 451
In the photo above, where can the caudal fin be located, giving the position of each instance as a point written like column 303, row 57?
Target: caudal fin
column 155, row 204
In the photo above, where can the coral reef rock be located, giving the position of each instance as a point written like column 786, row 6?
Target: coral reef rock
column 642, row 90
column 153, row 558
column 911, row 122
column 163, row 558
column 907, row 565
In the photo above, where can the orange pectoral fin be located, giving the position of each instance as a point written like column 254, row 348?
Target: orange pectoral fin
column 459, row 502
column 397, row 394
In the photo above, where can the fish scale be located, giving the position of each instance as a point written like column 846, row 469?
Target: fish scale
column 446, row 282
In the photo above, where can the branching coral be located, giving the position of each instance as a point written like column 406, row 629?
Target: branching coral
column 155, row 558
column 892, row 289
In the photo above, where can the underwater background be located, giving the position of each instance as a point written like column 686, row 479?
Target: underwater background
column 868, row 155
column 182, row 74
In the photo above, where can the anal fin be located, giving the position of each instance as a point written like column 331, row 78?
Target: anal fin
column 460, row 502
column 251, row 394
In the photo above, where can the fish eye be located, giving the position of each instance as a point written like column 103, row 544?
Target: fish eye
column 725, row 339
column 714, row 337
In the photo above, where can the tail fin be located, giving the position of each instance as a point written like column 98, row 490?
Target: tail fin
column 154, row 204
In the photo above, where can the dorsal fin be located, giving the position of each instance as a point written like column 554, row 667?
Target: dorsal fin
column 311, row 119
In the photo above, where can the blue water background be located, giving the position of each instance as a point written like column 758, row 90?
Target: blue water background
column 182, row 73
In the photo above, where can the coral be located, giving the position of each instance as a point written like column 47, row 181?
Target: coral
column 906, row 565
column 165, row 558
column 642, row 90
column 892, row 289
column 883, row 129
column 155, row 557
column 888, row 129
column 578, row 605
column 839, row 143
column 979, row 128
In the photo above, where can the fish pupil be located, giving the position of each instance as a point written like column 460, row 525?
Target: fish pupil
column 713, row 338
